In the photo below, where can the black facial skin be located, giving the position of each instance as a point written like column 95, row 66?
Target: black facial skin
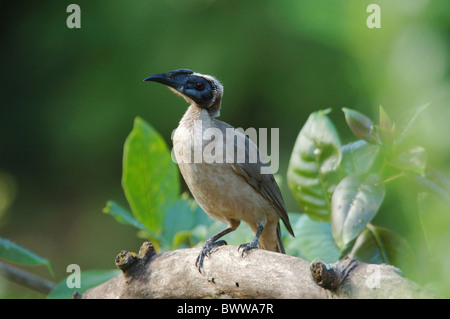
column 199, row 90
column 196, row 88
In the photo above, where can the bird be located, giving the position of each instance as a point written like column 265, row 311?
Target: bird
column 229, row 190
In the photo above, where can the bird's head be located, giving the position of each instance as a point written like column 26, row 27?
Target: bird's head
column 202, row 90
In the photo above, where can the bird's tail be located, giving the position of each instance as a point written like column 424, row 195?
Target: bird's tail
column 280, row 242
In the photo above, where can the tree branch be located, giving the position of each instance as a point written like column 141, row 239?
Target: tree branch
column 261, row 274
column 26, row 279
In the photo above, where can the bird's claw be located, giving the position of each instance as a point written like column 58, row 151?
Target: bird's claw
column 206, row 252
column 247, row 247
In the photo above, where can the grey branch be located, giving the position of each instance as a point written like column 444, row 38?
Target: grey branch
column 26, row 279
column 261, row 274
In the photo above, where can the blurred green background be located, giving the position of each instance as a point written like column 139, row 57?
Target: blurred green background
column 68, row 98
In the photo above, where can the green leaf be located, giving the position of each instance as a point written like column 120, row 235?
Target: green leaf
column 358, row 157
column 385, row 136
column 414, row 160
column 150, row 177
column 434, row 182
column 122, row 215
column 378, row 245
column 355, row 202
column 180, row 220
column 360, row 125
column 405, row 123
column 385, row 128
column 384, row 120
column 177, row 219
column 316, row 154
column 89, row 279
column 315, row 240
column 15, row 253
column 180, row 238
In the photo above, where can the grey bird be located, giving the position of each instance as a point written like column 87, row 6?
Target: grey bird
column 229, row 190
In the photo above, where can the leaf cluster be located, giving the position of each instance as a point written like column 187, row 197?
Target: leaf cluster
column 342, row 187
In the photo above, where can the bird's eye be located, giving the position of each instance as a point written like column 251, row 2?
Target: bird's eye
column 199, row 86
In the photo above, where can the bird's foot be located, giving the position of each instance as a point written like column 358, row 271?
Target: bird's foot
column 247, row 247
column 206, row 252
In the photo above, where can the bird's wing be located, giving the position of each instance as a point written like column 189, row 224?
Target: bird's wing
column 250, row 170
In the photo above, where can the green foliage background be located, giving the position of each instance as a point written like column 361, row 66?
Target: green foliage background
column 68, row 100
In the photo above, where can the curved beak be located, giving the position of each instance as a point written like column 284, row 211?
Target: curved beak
column 174, row 79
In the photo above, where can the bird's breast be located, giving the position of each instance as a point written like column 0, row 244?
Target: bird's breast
column 223, row 194
column 217, row 188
